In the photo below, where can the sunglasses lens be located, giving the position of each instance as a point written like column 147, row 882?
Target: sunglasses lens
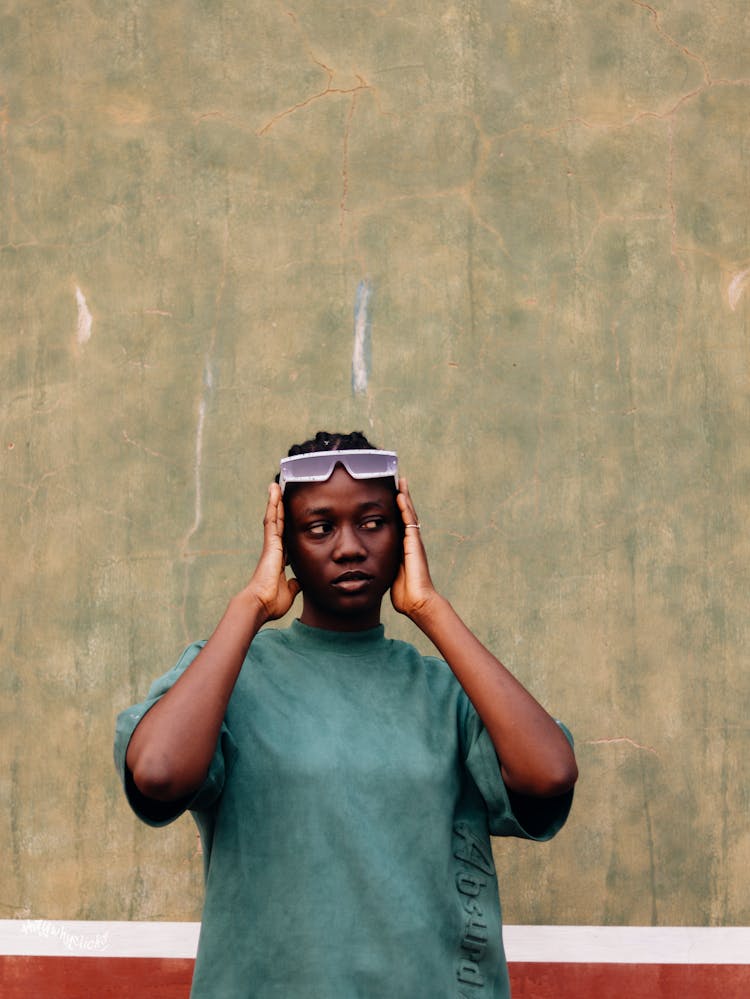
column 310, row 466
column 372, row 465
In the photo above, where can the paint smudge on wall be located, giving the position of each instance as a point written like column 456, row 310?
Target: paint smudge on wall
column 208, row 383
column 362, row 354
column 736, row 287
column 85, row 321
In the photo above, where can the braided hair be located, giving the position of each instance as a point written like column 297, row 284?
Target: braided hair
column 325, row 441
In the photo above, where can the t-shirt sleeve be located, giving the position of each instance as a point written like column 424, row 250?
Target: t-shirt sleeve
column 505, row 814
column 157, row 813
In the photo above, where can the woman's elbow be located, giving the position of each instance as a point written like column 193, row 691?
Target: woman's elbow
column 550, row 782
column 155, row 778
column 562, row 779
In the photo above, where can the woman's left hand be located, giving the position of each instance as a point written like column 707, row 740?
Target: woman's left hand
column 536, row 758
column 412, row 590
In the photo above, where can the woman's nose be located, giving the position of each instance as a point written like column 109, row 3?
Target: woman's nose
column 348, row 544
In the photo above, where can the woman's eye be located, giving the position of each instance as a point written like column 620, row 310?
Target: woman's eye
column 372, row 524
column 318, row 530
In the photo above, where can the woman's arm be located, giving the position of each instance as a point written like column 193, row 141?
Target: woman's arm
column 171, row 749
column 536, row 758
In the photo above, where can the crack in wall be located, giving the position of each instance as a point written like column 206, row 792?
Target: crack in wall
column 142, row 447
column 345, row 167
column 327, row 91
column 655, row 15
column 621, row 740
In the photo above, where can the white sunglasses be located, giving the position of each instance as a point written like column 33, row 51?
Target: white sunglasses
column 317, row 466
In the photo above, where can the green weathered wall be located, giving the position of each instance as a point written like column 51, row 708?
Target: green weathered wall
column 536, row 212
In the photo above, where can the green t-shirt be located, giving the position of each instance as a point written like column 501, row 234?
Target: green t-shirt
column 346, row 821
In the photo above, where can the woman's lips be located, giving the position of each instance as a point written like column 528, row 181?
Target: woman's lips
column 352, row 581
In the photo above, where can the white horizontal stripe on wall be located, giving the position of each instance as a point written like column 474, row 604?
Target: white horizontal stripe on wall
column 76, row 938
column 628, row 944
column 544, row 944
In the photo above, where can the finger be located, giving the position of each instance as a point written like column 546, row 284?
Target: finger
column 276, row 489
column 270, row 514
column 272, row 527
column 404, row 500
column 404, row 491
column 407, row 508
column 280, row 522
column 274, row 495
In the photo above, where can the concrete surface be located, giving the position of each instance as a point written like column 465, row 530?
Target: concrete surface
column 509, row 239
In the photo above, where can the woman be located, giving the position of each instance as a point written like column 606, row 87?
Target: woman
column 345, row 786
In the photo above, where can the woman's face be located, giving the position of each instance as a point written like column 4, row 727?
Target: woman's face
column 344, row 546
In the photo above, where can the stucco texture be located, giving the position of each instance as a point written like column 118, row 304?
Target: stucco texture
column 509, row 239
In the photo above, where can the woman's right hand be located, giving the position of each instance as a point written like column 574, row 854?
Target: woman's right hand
column 269, row 585
column 171, row 748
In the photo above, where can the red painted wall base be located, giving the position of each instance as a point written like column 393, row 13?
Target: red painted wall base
column 169, row 978
column 630, row 981
column 95, row 977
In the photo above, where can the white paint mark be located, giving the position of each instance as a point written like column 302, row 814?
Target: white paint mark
column 736, row 287
column 198, row 466
column 208, row 381
column 208, row 384
column 621, row 740
column 362, row 339
column 83, row 328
